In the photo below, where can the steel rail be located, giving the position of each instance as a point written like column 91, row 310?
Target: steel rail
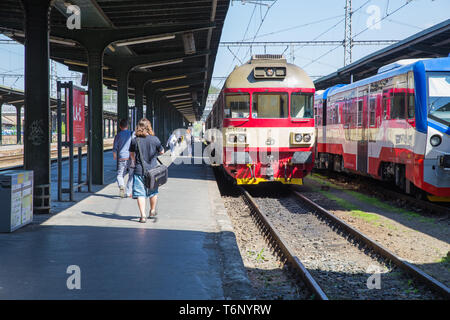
column 270, row 232
column 408, row 267
column 53, row 158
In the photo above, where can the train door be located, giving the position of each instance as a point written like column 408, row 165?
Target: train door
column 362, row 125
column 317, row 127
column 324, row 123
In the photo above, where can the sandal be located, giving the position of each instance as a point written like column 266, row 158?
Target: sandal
column 143, row 220
column 153, row 213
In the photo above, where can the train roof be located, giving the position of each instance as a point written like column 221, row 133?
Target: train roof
column 399, row 67
column 243, row 76
column 324, row 93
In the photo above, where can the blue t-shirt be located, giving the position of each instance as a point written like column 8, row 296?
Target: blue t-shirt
column 122, row 143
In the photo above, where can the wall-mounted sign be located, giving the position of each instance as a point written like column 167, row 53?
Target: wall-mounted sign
column 79, row 129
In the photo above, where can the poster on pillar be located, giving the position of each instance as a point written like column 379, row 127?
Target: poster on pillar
column 79, row 98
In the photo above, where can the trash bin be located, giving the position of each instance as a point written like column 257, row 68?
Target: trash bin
column 16, row 199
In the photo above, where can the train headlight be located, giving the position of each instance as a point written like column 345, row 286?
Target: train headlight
column 269, row 72
column 435, row 140
column 298, row 137
column 241, row 138
column 307, row 137
column 232, row 138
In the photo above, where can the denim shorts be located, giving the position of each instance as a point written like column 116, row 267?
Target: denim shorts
column 139, row 189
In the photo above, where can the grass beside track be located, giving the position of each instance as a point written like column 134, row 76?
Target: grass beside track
column 365, row 199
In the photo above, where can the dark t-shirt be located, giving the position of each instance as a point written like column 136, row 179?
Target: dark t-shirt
column 151, row 147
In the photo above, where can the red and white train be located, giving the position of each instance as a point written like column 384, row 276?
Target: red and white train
column 392, row 126
column 262, row 124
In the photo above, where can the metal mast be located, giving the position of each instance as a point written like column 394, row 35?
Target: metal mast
column 348, row 33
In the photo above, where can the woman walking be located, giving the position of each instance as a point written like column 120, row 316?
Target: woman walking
column 148, row 145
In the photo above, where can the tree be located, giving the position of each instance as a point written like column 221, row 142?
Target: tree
column 213, row 89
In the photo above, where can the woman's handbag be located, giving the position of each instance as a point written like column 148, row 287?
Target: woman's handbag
column 155, row 177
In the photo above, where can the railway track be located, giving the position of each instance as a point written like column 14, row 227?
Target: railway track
column 16, row 160
column 331, row 257
column 276, row 241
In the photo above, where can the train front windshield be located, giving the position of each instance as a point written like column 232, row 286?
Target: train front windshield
column 270, row 105
column 439, row 97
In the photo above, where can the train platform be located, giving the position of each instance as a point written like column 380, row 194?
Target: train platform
column 190, row 252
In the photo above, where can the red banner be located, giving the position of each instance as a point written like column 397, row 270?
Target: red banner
column 78, row 117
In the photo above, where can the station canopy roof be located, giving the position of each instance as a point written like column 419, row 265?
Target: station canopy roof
column 16, row 97
column 429, row 43
column 181, row 44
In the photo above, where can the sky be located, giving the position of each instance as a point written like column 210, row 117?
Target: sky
column 308, row 20
column 300, row 20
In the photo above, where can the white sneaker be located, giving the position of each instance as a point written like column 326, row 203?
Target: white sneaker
column 122, row 192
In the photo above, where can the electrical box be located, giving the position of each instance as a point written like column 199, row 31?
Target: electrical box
column 16, row 199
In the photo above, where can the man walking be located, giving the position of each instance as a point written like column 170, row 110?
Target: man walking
column 120, row 151
column 171, row 143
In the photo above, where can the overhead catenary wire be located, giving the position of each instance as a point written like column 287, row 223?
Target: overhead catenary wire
column 245, row 34
column 385, row 17
column 333, row 49
column 295, row 27
column 256, row 33
column 260, row 25
column 335, row 25
column 406, row 24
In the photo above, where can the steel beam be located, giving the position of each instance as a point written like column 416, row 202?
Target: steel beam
column 19, row 124
column 95, row 83
column 37, row 110
column 103, row 37
column 138, row 79
column 122, row 93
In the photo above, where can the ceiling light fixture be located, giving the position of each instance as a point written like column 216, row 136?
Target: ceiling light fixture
column 177, row 100
column 78, row 63
column 17, row 101
column 182, row 104
column 178, row 95
column 152, row 39
column 169, row 79
column 60, row 41
column 162, row 63
column 174, row 88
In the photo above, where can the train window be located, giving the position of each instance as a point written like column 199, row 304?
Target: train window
column 237, row 105
column 319, row 114
column 398, row 106
column 411, row 106
column 385, row 115
column 360, row 113
column 270, row 105
column 372, row 104
column 439, row 97
column 346, row 113
column 336, row 114
column 301, row 105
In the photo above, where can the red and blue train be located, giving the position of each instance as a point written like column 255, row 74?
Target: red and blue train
column 392, row 126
